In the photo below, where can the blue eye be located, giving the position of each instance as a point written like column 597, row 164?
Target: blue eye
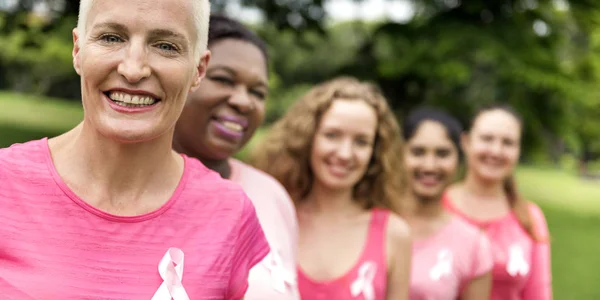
column 111, row 38
column 166, row 47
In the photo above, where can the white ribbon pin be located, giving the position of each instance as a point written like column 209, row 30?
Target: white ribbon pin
column 170, row 269
column 364, row 282
column 280, row 277
column 517, row 265
column 443, row 266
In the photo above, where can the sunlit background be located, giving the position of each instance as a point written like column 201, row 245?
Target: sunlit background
column 541, row 56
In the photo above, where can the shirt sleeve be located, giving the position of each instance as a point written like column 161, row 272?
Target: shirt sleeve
column 292, row 222
column 482, row 257
column 538, row 285
column 250, row 248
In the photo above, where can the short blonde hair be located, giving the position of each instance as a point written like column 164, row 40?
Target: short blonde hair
column 201, row 10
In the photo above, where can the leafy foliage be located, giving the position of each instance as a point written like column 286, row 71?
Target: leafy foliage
column 541, row 56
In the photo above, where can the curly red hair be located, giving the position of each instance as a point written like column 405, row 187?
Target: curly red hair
column 285, row 151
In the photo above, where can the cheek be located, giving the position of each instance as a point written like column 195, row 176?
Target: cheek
column 260, row 111
column 258, row 115
column 92, row 69
column 190, row 120
column 475, row 154
column 316, row 150
column 449, row 166
column 513, row 156
column 200, row 106
column 364, row 156
column 478, row 148
column 411, row 163
column 97, row 61
column 174, row 75
column 316, row 160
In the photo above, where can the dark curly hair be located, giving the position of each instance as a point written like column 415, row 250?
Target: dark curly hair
column 222, row 27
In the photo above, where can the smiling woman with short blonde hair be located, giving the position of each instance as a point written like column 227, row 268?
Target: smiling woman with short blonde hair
column 108, row 210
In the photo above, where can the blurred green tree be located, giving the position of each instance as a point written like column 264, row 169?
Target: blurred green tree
column 541, row 56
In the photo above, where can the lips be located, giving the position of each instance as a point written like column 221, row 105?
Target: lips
column 231, row 128
column 338, row 170
column 429, row 179
column 232, row 122
column 492, row 162
column 132, row 99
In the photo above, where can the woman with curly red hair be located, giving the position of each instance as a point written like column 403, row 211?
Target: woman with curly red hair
column 338, row 152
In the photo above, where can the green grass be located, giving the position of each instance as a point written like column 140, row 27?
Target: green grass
column 572, row 209
column 26, row 117
column 560, row 189
column 571, row 204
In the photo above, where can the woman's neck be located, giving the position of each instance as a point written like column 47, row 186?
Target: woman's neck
column 331, row 202
column 112, row 173
column 427, row 208
column 427, row 216
column 482, row 189
column 220, row 166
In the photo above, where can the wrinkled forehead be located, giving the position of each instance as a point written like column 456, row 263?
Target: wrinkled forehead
column 172, row 15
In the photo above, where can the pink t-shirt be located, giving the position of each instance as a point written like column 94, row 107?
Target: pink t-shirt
column 275, row 276
column 444, row 263
column 53, row 245
column 367, row 280
column 521, row 265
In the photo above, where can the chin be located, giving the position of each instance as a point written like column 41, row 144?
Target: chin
column 220, row 150
column 131, row 133
column 492, row 176
column 338, row 185
column 427, row 193
column 128, row 136
column 132, row 137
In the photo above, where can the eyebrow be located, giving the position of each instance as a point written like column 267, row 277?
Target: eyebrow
column 233, row 73
column 155, row 33
column 110, row 25
column 159, row 33
column 337, row 127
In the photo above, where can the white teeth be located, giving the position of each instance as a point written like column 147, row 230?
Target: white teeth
column 132, row 100
column 232, row 126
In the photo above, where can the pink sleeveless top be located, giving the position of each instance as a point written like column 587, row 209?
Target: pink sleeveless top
column 445, row 262
column 521, row 269
column 367, row 280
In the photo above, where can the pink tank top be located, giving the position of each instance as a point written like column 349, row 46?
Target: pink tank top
column 445, row 262
column 521, row 269
column 367, row 280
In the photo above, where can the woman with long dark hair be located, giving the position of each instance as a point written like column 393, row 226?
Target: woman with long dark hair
column 451, row 259
column 488, row 198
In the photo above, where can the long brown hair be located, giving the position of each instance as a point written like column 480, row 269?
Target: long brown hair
column 285, row 152
column 517, row 203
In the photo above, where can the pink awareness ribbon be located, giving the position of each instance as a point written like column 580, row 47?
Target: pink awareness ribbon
column 170, row 269
column 364, row 282
column 280, row 277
